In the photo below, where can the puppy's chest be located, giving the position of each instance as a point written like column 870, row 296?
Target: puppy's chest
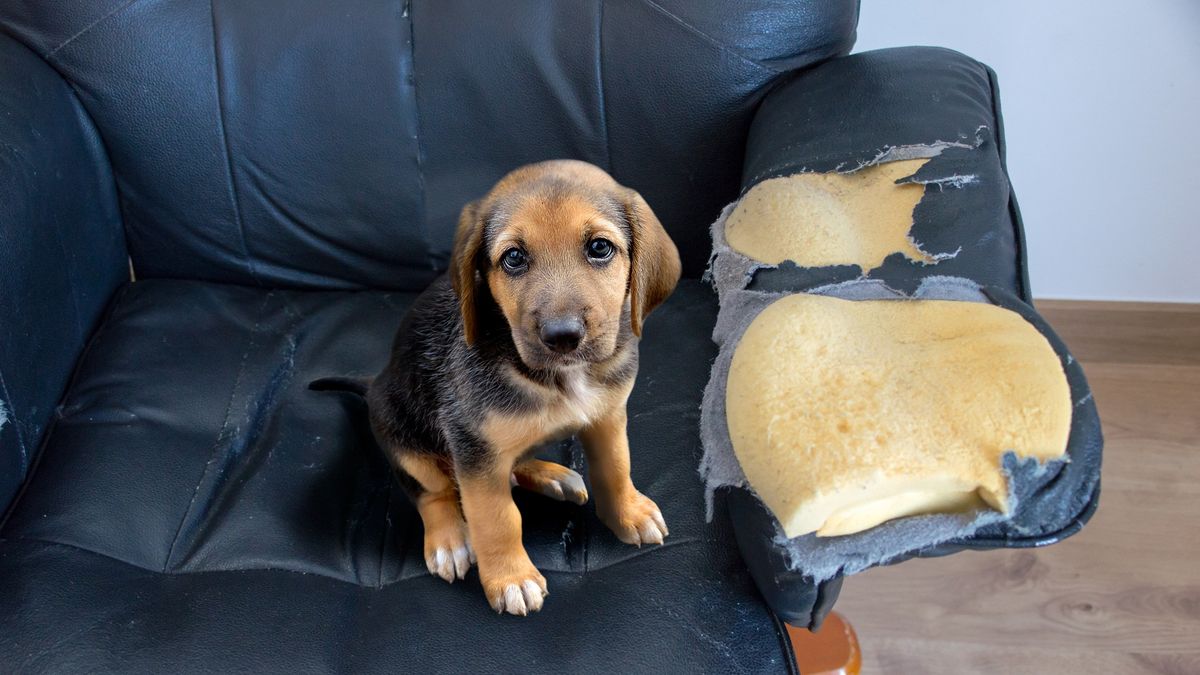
column 575, row 401
column 579, row 401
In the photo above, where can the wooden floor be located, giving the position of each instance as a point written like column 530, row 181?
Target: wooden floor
column 1123, row 596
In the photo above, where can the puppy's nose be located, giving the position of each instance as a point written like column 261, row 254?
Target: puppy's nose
column 562, row 335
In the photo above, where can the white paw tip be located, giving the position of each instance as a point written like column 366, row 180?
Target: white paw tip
column 462, row 562
column 649, row 533
column 441, row 564
column 514, row 600
column 661, row 522
column 532, row 586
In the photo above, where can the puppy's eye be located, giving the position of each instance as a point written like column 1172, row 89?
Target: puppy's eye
column 600, row 249
column 514, row 260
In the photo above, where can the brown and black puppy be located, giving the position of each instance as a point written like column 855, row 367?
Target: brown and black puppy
column 531, row 337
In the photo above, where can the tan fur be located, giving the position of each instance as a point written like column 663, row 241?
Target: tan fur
column 424, row 469
column 503, row 562
column 656, row 265
column 562, row 414
column 618, row 502
column 560, row 279
column 645, row 274
column 438, row 505
column 467, row 238
column 550, row 479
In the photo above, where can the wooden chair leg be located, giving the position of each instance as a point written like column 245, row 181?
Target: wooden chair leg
column 833, row 650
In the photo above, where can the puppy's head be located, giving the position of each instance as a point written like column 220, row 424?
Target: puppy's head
column 569, row 257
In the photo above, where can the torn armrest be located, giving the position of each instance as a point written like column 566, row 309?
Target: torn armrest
column 821, row 127
column 897, row 124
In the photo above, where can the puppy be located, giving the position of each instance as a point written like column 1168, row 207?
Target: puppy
column 530, row 337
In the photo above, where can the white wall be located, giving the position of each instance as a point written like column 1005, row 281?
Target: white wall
column 1101, row 106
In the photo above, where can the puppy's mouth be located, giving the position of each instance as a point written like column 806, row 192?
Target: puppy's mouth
column 537, row 355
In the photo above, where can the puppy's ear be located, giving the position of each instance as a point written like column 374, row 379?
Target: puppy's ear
column 654, row 267
column 464, row 260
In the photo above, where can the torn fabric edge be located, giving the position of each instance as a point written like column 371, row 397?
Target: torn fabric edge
column 889, row 153
column 729, row 269
column 897, row 153
column 825, row 557
column 955, row 181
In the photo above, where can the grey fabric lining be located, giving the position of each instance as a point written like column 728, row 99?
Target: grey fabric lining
column 728, row 269
column 826, row 557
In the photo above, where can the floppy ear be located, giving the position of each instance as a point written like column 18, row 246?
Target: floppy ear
column 463, row 263
column 654, row 261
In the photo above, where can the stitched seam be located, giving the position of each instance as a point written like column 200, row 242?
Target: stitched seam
column 87, row 28
column 412, row 60
column 220, row 434
column 422, row 575
column 387, row 530
column 600, row 80
column 231, row 570
column 1014, row 212
column 710, row 39
column 785, row 643
column 92, row 129
column 12, row 412
column 585, row 534
column 232, row 184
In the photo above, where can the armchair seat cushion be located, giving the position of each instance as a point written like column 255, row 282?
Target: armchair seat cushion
column 192, row 491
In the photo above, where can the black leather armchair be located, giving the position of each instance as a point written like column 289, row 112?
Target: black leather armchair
column 283, row 178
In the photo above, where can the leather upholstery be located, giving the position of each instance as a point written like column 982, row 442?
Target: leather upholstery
column 848, row 111
column 319, row 144
column 225, row 517
column 61, row 249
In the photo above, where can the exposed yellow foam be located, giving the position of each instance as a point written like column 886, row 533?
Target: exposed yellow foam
column 845, row 414
column 823, row 219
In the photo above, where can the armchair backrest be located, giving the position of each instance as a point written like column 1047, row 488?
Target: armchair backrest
column 331, row 144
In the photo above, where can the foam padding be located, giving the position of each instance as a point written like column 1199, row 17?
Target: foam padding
column 845, row 414
column 829, row 219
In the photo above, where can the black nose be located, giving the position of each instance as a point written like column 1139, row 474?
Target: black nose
column 562, row 335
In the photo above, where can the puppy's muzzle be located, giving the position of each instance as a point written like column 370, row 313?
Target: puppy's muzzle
column 561, row 335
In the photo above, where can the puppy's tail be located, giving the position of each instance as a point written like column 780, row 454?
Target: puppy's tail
column 354, row 385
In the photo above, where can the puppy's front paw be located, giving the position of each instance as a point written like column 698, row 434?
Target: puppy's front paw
column 448, row 554
column 635, row 519
column 517, row 593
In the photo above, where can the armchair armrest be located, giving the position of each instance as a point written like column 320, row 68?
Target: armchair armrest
column 62, row 250
column 888, row 105
column 905, row 103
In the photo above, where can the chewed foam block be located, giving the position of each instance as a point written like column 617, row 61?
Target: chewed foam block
column 827, row 219
column 845, row 414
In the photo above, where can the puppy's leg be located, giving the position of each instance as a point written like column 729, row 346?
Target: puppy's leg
column 510, row 581
column 552, row 480
column 631, row 515
column 448, row 552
